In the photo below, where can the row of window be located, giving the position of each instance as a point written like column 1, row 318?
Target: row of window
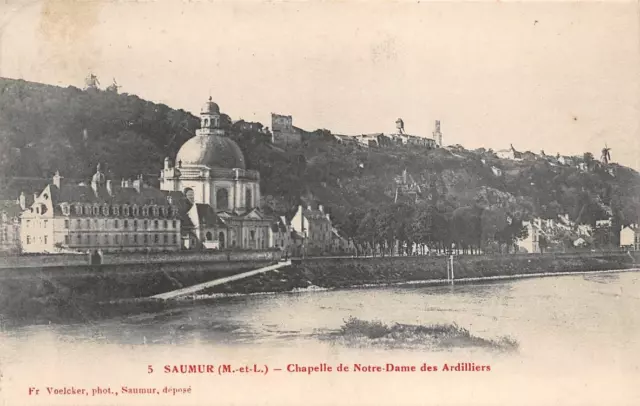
column 157, row 224
column 126, row 239
column 125, row 210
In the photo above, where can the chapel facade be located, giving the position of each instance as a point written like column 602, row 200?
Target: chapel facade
column 210, row 171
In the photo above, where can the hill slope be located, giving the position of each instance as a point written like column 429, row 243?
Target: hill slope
column 46, row 128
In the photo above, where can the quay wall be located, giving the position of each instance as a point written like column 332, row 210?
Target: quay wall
column 331, row 273
column 124, row 258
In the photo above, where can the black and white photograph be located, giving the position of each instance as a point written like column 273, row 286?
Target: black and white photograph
column 370, row 203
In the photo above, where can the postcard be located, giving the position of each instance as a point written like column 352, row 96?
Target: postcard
column 322, row 203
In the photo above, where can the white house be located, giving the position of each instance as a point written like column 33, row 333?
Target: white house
column 630, row 237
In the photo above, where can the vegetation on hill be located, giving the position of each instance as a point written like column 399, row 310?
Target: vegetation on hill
column 471, row 198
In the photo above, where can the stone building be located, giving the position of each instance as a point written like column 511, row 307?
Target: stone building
column 314, row 227
column 101, row 216
column 10, row 225
column 210, row 170
column 280, row 234
column 283, row 131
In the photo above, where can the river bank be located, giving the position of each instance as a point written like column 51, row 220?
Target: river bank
column 41, row 297
column 356, row 272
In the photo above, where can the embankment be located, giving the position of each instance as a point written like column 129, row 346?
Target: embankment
column 43, row 294
column 351, row 272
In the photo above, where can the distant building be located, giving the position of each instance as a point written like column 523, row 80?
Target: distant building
column 242, row 125
column 10, row 225
column 283, row 131
column 630, row 237
column 531, row 244
column 102, row 216
column 510, row 153
column 340, row 244
column 437, row 135
column 314, row 227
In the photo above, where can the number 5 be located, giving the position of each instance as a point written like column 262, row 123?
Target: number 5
column 150, row 369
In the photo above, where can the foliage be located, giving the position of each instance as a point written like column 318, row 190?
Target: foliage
column 463, row 199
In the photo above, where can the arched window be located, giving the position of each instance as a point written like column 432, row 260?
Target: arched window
column 221, row 239
column 188, row 192
column 248, row 201
column 208, row 236
column 105, row 210
column 135, row 211
column 222, row 199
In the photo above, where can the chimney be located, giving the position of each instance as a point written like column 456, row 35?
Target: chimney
column 35, row 197
column 309, row 207
column 328, row 218
column 109, row 187
column 57, row 179
column 321, row 208
column 22, row 200
column 167, row 164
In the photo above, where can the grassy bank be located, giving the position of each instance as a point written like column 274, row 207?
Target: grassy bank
column 349, row 272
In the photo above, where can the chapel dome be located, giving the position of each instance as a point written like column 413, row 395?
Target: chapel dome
column 212, row 151
column 210, row 107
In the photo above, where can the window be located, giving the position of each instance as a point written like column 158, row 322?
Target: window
column 146, row 239
column 105, row 210
column 135, row 211
column 173, row 224
column 208, row 236
column 253, row 235
column 106, row 239
column 156, row 238
column 126, row 224
column 79, row 238
column 116, row 223
column 146, row 224
column 117, row 239
column 28, row 239
column 126, row 239
column 66, row 224
column 188, row 192
column 78, row 224
column 155, row 224
column 166, row 239
column 125, row 210
column 116, row 211
column 88, row 223
column 248, row 201
column 155, row 211
column 222, row 199
column 88, row 239
column 95, row 223
column 78, row 210
column 145, row 211
column 175, row 239
column 135, row 224
column 65, row 210
column 166, row 224
column 135, row 238
column 96, row 210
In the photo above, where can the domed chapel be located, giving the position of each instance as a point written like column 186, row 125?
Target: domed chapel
column 210, row 171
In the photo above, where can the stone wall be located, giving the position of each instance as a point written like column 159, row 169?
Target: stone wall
column 189, row 257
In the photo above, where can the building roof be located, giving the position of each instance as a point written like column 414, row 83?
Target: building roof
column 212, row 151
column 119, row 195
column 207, row 217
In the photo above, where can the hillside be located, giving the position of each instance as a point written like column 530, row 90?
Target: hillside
column 471, row 197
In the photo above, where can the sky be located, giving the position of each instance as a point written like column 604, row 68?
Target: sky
column 553, row 76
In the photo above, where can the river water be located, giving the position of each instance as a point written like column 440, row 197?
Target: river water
column 579, row 343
